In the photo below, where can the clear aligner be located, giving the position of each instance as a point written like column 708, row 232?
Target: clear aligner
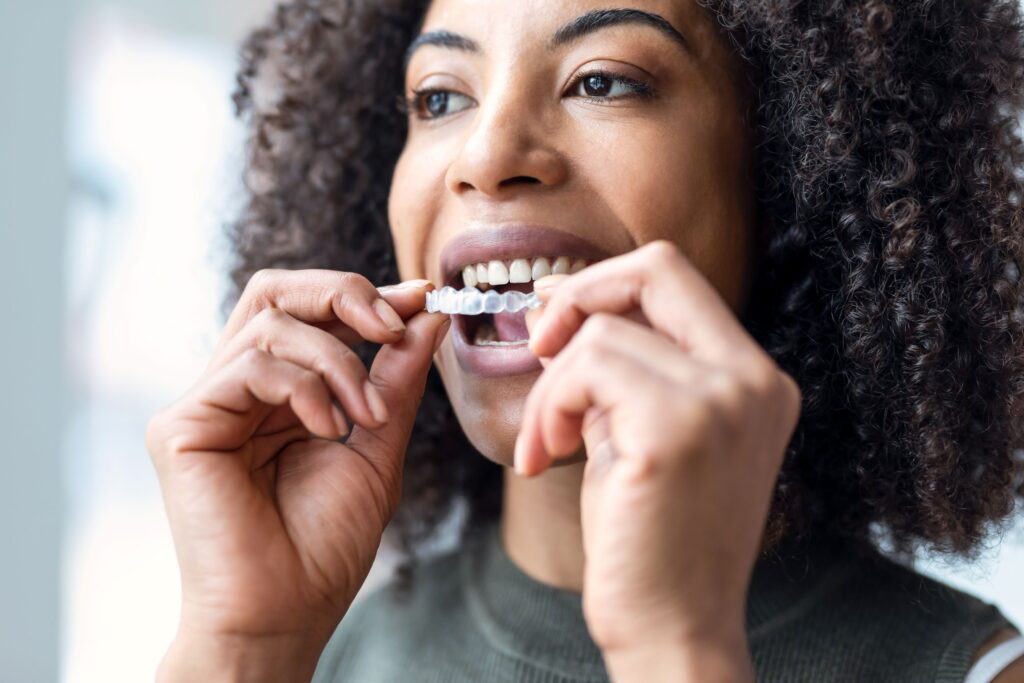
column 471, row 301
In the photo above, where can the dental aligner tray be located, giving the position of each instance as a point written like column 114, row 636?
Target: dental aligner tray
column 471, row 301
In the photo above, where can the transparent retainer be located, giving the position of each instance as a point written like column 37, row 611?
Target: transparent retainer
column 471, row 301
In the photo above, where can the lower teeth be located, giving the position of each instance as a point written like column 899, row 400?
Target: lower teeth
column 501, row 343
column 486, row 335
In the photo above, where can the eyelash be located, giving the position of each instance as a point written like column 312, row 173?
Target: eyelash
column 641, row 90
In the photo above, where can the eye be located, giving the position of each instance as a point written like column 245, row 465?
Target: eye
column 603, row 85
column 434, row 103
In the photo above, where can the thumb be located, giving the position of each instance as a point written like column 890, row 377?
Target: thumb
column 399, row 373
column 531, row 318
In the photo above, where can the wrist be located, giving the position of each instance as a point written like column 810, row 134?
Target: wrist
column 240, row 659
column 719, row 658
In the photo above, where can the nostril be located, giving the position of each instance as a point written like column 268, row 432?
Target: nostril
column 520, row 180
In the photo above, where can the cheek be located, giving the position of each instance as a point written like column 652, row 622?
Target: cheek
column 410, row 215
column 692, row 192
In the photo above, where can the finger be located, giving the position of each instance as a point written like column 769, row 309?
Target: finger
column 554, row 417
column 223, row 410
column 399, row 373
column 652, row 354
column 318, row 296
column 674, row 296
column 278, row 333
column 406, row 298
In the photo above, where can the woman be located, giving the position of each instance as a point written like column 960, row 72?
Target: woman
column 784, row 329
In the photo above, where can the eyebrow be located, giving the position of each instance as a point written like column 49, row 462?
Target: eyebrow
column 574, row 30
column 603, row 18
column 452, row 41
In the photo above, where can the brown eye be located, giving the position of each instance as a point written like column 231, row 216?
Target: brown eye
column 435, row 103
column 604, row 85
column 597, row 86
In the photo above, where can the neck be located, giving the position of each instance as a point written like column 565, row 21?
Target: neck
column 540, row 525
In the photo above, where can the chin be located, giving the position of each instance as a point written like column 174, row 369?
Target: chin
column 489, row 409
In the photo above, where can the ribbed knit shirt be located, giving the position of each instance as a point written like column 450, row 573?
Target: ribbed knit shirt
column 823, row 613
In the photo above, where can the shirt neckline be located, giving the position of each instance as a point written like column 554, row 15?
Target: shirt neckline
column 543, row 626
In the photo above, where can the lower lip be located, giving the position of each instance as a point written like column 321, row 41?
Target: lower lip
column 491, row 361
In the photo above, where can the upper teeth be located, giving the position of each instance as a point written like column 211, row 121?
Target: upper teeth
column 519, row 270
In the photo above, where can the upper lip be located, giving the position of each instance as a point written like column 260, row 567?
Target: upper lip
column 511, row 241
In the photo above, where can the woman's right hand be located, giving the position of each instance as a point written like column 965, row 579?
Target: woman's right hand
column 275, row 521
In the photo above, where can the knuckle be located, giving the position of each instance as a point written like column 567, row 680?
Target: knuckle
column 155, row 432
column 345, row 287
column 698, row 416
column 790, row 387
column 265, row 325
column 645, row 461
column 162, row 439
column 262, row 279
column 588, row 354
column 599, row 326
column 267, row 319
column 342, row 301
column 340, row 360
column 254, row 358
column 663, row 251
column 793, row 397
column 309, row 382
column 729, row 389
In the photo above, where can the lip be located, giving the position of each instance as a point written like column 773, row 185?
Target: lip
column 510, row 241
column 490, row 361
column 505, row 242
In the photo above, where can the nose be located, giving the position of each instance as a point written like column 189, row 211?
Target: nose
column 506, row 146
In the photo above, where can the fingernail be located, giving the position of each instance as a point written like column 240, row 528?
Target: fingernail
column 441, row 331
column 388, row 316
column 413, row 284
column 517, row 455
column 339, row 420
column 373, row 399
column 531, row 318
column 548, row 281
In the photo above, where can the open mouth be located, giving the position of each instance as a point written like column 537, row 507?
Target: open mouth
column 506, row 328
column 503, row 261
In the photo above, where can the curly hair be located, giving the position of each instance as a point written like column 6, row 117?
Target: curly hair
column 889, row 187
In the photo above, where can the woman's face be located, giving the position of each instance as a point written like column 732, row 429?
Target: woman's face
column 578, row 129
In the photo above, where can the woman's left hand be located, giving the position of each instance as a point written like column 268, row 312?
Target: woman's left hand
column 685, row 420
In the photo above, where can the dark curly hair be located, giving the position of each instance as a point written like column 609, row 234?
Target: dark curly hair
column 890, row 193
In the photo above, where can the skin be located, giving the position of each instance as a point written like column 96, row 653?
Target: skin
column 454, row 171
column 276, row 522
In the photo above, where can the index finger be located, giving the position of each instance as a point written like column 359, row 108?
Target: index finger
column 659, row 281
column 346, row 304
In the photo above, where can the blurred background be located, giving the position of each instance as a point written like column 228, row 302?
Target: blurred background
column 119, row 164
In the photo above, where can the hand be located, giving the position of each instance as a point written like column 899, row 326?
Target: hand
column 685, row 420
column 275, row 521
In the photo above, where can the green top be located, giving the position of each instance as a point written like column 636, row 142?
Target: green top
column 825, row 614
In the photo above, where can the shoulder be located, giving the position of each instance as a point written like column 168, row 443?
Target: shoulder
column 945, row 627
column 387, row 625
column 1014, row 671
column 880, row 619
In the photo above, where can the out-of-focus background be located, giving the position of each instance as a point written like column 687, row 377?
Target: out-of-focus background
column 119, row 164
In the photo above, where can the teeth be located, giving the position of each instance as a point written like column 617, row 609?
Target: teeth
column 469, row 276
column 520, row 271
column 486, row 335
column 496, row 273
